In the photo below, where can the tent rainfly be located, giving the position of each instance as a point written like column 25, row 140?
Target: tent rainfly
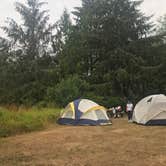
column 84, row 112
column 151, row 110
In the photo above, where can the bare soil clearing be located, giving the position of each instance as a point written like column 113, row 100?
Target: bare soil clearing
column 122, row 144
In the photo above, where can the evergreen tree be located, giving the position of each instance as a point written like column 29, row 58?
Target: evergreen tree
column 110, row 53
column 33, row 35
column 29, row 66
column 63, row 29
column 65, row 24
column 104, row 33
column 161, row 29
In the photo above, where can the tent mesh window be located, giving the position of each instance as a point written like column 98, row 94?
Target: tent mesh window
column 100, row 115
column 87, row 115
column 68, row 113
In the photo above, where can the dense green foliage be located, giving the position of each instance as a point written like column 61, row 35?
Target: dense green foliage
column 108, row 55
column 67, row 90
column 25, row 121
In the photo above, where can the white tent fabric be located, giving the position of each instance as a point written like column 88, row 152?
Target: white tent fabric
column 150, row 108
column 86, row 104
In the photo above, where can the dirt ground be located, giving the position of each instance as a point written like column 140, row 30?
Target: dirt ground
column 121, row 144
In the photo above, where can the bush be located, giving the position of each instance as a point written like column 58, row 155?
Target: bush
column 73, row 88
column 114, row 101
column 106, row 101
column 67, row 90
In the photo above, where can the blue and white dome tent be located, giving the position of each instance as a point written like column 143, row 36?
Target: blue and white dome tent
column 84, row 112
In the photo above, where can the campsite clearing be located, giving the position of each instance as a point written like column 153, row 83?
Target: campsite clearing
column 120, row 144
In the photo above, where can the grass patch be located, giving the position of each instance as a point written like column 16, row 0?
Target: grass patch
column 23, row 121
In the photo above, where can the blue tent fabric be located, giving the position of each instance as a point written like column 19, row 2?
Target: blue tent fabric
column 66, row 121
column 78, row 113
column 157, row 122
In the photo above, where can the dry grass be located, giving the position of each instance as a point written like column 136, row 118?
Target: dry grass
column 121, row 144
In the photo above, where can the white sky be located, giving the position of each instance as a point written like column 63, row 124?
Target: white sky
column 156, row 7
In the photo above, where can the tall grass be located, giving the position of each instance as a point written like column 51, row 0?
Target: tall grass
column 23, row 121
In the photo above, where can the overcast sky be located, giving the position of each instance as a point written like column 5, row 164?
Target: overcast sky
column 156, row 7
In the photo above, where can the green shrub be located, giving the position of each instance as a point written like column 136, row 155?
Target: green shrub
column 67, row 90
column 115, row 101
column 106, row 101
